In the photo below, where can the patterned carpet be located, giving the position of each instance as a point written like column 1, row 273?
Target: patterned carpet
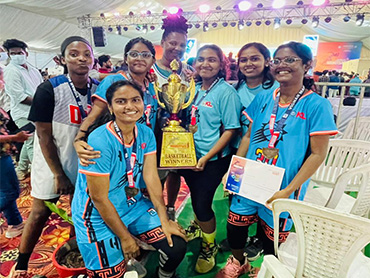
column 55, row 232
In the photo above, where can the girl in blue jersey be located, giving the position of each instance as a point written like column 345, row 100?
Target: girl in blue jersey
column 214, row 121
column 294, row 123
column 139, row 55
column 108, row 210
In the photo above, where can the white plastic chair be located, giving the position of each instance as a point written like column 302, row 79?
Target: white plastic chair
column 343, row 154
column 336, row 198
column 328, row 243
column 363, row 129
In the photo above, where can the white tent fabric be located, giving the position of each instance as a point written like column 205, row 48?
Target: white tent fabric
column 43, row 24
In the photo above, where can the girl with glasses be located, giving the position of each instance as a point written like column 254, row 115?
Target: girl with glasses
column 294, row 124
column 139, row 55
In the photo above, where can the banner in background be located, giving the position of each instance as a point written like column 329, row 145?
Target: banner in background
column 331, row 55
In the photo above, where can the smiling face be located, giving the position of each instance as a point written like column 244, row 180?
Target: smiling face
column 208, row 64
column 78, row 58
column 174, row 46
column 252, row 63
column 139, row 65
column 289, row 73
column 127, row 105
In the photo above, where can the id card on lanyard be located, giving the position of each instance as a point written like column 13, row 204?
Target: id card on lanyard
column 272, row 151
column 131, row 190
column 77, row 97
column 194, row 107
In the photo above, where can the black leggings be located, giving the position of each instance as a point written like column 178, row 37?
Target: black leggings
column 203, row 186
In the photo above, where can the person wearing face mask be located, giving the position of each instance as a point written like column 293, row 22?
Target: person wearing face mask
column 21, row 80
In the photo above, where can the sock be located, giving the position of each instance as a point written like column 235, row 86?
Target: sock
column 209, row 238
column 164, row 274
column 22, row 262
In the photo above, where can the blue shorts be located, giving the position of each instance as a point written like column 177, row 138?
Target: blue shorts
column 244, row 212
column 106, row 256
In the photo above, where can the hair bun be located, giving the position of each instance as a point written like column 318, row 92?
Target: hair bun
column 175, row 23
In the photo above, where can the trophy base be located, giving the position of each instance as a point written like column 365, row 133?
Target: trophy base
column 177, row 151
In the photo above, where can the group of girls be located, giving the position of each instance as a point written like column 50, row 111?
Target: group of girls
column 271, row 106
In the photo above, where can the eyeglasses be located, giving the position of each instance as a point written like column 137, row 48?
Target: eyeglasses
column 135, row 54
column 287, row 60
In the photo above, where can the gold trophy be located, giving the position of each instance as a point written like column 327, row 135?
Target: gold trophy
column 178, row 150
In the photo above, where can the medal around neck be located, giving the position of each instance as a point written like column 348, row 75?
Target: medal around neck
column 177, row 150
column 131, row 191
column 270, row 153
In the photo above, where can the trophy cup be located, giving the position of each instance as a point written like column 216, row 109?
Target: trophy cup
column 177, row 150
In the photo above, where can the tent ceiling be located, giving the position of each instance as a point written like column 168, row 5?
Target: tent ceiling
column 43, row 24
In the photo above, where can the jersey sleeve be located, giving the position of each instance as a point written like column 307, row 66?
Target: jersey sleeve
column 102, row 166
column 150, row 144
column 322, row 119
column 101, row 90
column 42, row 108
column 251, row 111
column 230, row 108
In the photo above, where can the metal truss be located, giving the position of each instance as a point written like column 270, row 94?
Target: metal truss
column 228, row 16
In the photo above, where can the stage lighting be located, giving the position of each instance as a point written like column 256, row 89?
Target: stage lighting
column 116, row 14
column 318, row 2
column 304, row 21
column 173, row 10
column 360, row 19
column 214, row 24
column 110, row 29
column 164, row 11
column 260, row 6
column 218, row 8
column 277, row 22
column 197, row 25
column 190, row 26
column 258, row 22
column 152, row 27
column 125, row 28
column 288, row 21
column 119, row 30
column 205, row 27
column 278, row 4
column 348, row 1
column 347, row 18
column 131, row 13
column 315, row 21
column 248, row 23
column 327, row 19
column 139, row 27
column 102, row 15
column 145, row 29
column 299, row 3
column 233, row 24
column 225, row 24
column 204, row 8
column 148, row 12
column 268, row 22
column 244, row 6
column 240, row 24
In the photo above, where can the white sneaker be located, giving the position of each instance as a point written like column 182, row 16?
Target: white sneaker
column 14, row 230
column 135, row 266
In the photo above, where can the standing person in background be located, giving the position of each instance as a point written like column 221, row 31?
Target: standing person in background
column 367, row 81
column 21, row 80
column 295, row 124
column 355, row 90
column 105, row 64
column 214, row 121
column 59, row 107
column 174, row 40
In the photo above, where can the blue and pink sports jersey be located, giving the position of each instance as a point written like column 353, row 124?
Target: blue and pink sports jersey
column 90, row 227
column 312, row 115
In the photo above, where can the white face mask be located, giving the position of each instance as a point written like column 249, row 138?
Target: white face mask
column 3, row 56
column 18, row 59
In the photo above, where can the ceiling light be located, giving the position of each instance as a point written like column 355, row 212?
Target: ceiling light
column 214, row 24
column 173, row 10
column 360, row 19
column 347, row 18
column 244, row 6
column 204, row 8
column 268, row 22
column 277, row 22
column 225, row 24
column 258, row 22
column 278, row 4
column 205, row 27
column 318, row 2
column 233, row 24
column 315, row 22
column 240, row 24
column 288, row 21
column 304, row 21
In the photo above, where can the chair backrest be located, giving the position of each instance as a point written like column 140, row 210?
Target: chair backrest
column 328, row 240
column 342, row 155
column 363, row 129
column 360, row 176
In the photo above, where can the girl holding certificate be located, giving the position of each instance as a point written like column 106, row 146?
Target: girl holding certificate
column 108, row 209
column 290, row 128
column 214, row 121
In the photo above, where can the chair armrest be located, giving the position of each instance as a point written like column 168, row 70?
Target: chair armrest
column 272, row 267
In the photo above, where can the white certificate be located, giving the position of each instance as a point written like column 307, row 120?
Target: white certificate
column 254, row 180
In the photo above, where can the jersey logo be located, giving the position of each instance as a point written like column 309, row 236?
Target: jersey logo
column 75, row 115
column 208, row 104
column 143, row 146
column 301, row 115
